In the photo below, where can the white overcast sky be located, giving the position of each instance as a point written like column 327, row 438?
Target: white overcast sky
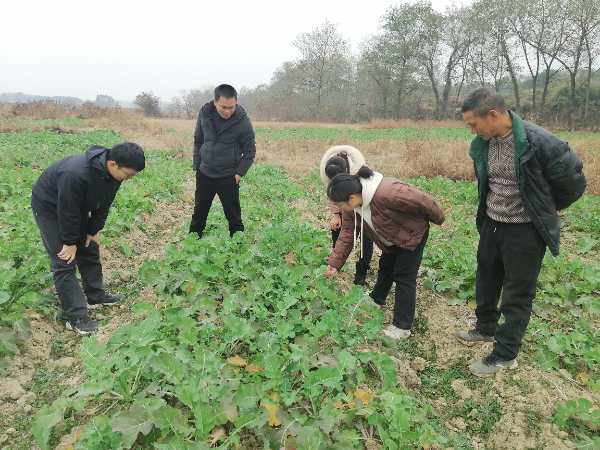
column 121, row 48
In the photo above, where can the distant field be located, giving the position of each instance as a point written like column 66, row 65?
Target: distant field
column 402, row 149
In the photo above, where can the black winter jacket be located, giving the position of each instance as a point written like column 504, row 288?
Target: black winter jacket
column 549, row 175
column 229, row 152
column 77, row 191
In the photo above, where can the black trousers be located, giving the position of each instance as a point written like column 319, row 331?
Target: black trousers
column 87, row 259
column 509, row 259
column 229, row 194
column 401, row 267
column 362, row 265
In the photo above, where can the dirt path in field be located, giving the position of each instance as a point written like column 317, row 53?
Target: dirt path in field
column 527, row 396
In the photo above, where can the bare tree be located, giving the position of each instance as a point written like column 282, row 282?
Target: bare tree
column 324, row 67
column 494, row 19
column 375, row 66
column 176, row 106
column 456, row 40
column 405, row 33
column 582, row 21
column 148, row 103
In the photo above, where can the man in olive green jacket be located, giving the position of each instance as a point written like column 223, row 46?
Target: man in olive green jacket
column 525, row 175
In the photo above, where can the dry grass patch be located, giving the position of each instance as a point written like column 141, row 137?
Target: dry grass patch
column 190, row 124
column 402, row 159
column 589, row 152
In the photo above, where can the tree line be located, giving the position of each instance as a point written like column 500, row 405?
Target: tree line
column 542, row 55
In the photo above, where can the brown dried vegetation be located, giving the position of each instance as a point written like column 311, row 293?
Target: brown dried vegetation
column 404, row 159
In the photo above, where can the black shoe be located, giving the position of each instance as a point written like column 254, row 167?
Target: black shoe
column 359, row 281
column 491, row 364
column 108, row 300
column 472, row 337
column 83, row 325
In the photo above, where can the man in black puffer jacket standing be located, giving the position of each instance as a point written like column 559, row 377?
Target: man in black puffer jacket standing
column 224, row 148
column 525, row 175
column 70, row 203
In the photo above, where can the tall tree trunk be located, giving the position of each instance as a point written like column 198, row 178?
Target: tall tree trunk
column 511, row 71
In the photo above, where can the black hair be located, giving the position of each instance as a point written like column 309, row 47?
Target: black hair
column 342, row 186
column 225, row 91
column 336, row 165
column 127, row 154
column 483, row 100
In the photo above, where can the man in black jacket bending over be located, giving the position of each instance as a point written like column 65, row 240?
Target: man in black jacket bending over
column 525, row 175
column 70, row 203
column 224, row 148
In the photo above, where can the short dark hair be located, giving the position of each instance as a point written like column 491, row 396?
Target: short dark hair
column 483, row 100
column 342, row 186
column 225, row 91
column 128, row 154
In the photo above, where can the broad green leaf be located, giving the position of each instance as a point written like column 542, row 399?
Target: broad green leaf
column 546, row 360
column 327, row 376
column 126, row 249
column 43, row 422
column 346, row 360
column 328, row 416
column 93, row 356
column 584, row 245
column 205, row 303
column 288, row 423
column 8, row 339
column 22, row 328
column 95, row 387
column 180, row 444
column 188, row 337
column 146, row 331
column 385, row 367
column 348, row 440
column 203, row 419
column 130, row 423
column 187, row 394
column 251, row 418
column 443, row 286
column 142, row 308
column 4, row 297
column 310, row 438
column 168, row 417
column 248, row 395
column 98, row 436
column 457, row 301
column 170, row 366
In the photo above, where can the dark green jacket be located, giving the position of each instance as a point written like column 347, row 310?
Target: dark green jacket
column 549, row 175
column 223, row 154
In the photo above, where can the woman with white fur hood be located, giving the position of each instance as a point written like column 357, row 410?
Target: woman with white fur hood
column 396, row 216
column 346, row 159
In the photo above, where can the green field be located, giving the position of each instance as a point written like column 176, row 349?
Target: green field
column 249, row 339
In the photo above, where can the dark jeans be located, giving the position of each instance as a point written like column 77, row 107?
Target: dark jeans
column 362, row 265
column 401, row 267
column 509, row 259
column 87, row 260
column 229, row 194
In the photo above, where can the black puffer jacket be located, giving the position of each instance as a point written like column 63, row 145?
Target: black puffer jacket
column 549, row 174
column 77, row 191
column 223, row 154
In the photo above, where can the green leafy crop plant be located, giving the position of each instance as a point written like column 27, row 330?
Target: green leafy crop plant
column 393, row 134
column 250, row 337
